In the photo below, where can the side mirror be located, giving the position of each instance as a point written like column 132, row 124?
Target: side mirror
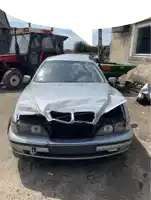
column 112, row 80
column 26, row 79
column 96, row 60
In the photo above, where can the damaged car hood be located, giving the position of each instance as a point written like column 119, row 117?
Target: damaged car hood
column 68, row 97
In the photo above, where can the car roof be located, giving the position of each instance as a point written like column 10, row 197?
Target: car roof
column 71, row 57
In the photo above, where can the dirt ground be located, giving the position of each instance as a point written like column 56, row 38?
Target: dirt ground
column 123, row 177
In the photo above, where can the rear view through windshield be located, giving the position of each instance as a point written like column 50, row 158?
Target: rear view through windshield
column 68, row 71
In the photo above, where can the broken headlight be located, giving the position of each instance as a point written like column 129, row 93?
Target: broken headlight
column 114, row 128
column 28, row 129
column 121, row 127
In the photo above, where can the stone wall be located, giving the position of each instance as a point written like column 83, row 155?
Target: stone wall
column 140, row 74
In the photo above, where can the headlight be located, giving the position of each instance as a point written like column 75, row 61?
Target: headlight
column 28, row 129
column 121, row 127
column 105, row 129
column 115, row 128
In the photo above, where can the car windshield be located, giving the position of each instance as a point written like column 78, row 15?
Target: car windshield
column 68, row 71
column 23, row 42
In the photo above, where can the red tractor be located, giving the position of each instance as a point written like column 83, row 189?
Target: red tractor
column 28, row 48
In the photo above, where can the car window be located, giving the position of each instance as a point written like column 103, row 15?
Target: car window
column 47, row 43
column 23, row 43
column 35, row 43
column 68, row 71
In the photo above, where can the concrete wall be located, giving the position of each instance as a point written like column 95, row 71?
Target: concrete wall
column 120, row 52
column 121, row 43
column 120, row 46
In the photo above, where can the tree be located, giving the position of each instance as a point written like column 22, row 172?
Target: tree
column 82, row 47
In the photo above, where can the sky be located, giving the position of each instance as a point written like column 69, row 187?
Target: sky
column 72, row 37
column 106, row 36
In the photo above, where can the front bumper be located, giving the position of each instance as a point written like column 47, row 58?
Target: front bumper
column 77, row 149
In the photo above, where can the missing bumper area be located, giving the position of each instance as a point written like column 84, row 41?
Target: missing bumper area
column 82, row 126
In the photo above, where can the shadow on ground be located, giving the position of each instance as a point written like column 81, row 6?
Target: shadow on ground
column 3, row 90
column 122, row 177
column 128, row 92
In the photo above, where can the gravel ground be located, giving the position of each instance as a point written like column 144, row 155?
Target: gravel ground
column 123, row 177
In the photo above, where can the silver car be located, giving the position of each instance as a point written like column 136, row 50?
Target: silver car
column 70, row 111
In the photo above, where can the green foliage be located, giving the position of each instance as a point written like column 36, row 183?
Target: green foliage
column 82, row 47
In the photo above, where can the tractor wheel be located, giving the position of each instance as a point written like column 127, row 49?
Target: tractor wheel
column 12, row 79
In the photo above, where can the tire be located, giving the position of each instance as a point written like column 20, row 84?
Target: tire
column 12, row 79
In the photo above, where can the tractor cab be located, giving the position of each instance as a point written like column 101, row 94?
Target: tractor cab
column 28, row 48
